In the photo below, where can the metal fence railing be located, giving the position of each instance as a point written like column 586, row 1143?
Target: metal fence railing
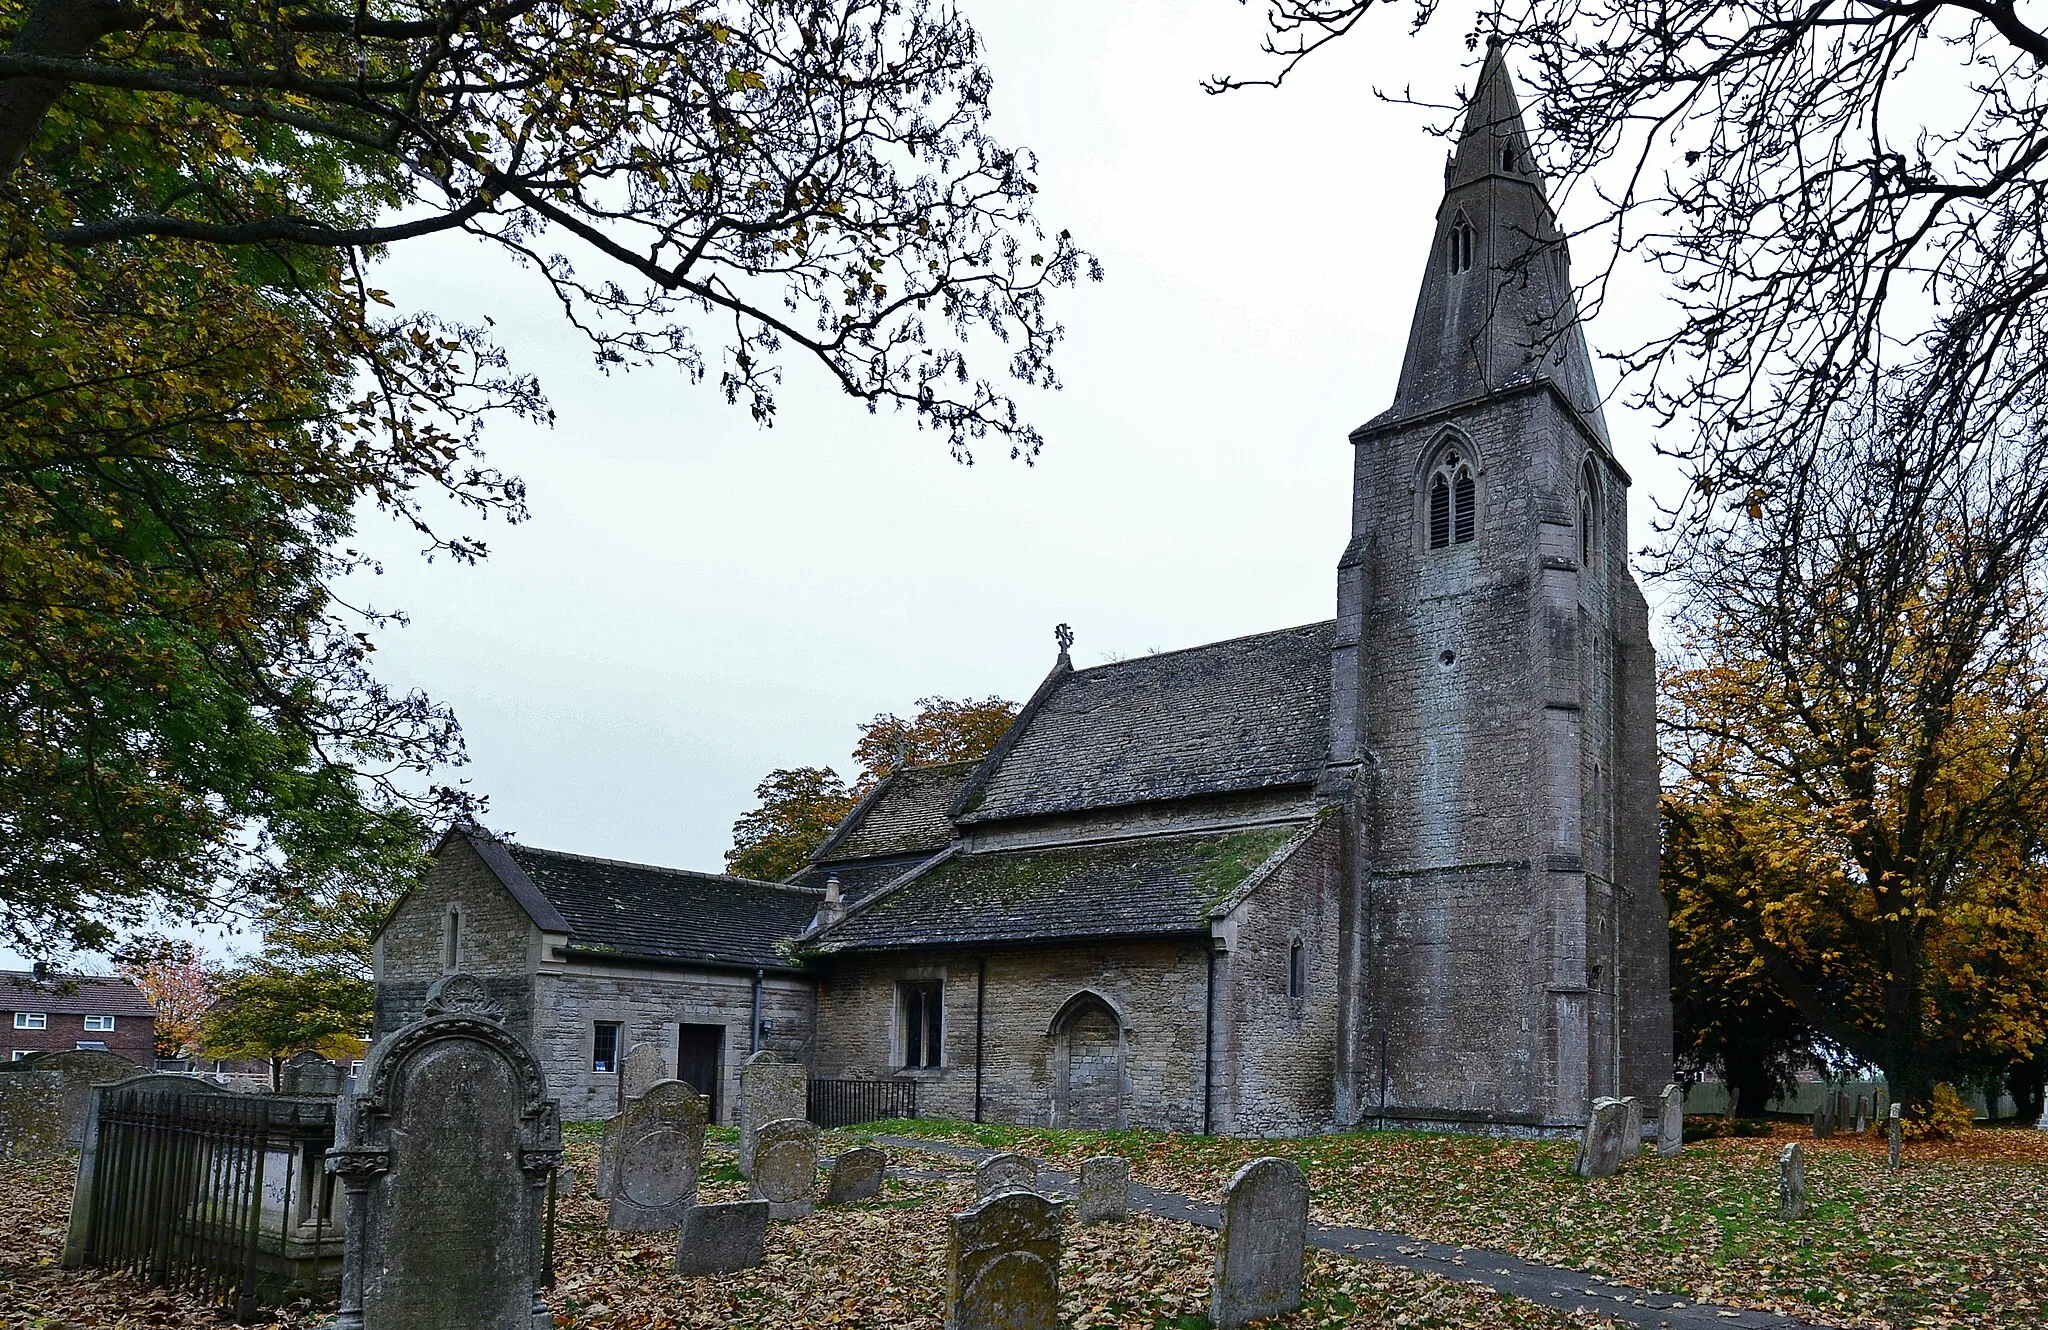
column 843, row 1103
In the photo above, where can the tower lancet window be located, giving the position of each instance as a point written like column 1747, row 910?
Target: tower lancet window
column 1458, row 244
column 1453, row 502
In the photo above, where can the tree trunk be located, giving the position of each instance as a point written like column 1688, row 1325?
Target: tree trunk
column 63, row 29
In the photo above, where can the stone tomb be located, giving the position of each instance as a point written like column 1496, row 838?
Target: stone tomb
column 1005, row 1172
column 1260, row 1252
column 1600, row 1146
column 770, row 1091
column 1792, row 1183
column 660, row 1138
column 1003, row 1264
column 310, row 1074
column 856, row 1175
column 445, row 1152
column 785, row 1167
column 713, row 1239
column 1671, row 1121
column 78, row 1070
column 1105, row 1189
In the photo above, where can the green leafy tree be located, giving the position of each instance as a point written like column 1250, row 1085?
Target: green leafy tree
column 268, row 1012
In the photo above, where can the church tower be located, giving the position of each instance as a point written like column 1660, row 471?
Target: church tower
column 1493, row 694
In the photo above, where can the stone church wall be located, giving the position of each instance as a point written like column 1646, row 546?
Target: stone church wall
column 1157, row 988
column 497, row 942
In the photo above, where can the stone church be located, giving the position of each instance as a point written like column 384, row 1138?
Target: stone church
column 1396, row 867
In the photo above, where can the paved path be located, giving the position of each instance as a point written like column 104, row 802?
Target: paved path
column 1550, row 1284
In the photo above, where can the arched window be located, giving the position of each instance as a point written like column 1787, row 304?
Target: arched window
column 1589, row 516
column 1297, row 971
column 1458, row 244
column 1453, row 502
column 1508, row 159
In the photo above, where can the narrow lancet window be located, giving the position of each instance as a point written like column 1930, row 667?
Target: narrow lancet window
column 1297, row 971
column 1439, row 511
column 1458, row 244
column 1453, row 515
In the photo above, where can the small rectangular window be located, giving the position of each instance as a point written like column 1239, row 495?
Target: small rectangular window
column 99, row 1022
column 93, row 1045
column 1297, row 972
column 31, row 1020
column 604, row 1052
column 20, row 1053
column 924, row 1016
column 451, row 941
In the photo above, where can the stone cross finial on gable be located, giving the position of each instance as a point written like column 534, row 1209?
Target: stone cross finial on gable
column 1065, row 637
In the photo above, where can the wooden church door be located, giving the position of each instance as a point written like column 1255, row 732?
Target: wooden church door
column 699, row 1051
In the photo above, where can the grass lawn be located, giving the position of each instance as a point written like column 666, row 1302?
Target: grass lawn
column 1958, row 1237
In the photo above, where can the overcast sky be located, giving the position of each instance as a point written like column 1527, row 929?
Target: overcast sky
column 696, row 601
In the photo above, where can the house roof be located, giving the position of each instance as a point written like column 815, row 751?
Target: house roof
column 905, row 814
column 861, row 878
column 72, row 995
column 1250, row 713
column 1158, row 885
column 670, row 914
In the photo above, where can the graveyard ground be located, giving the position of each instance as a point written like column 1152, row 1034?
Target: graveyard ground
column 1953, row 1240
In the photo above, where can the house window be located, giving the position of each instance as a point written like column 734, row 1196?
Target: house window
column 1458, row 245
column 31, row 1020
column 94, row 1045
column 99, row 1022
column 20, row 1053
column 924, row 1015
column 1453, row 503
column 1297, row 971
column 604, row 1047
column 451, row 940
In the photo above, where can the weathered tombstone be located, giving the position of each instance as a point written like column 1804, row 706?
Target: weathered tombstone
column 80, row 1069
column 1600, row 1146
column 1792, row 1183
column 445, row 1153
column 1005, row 1172
column 1671, row 1121
column 1895, row 1137
column 713, row 1239
column 643, row 1066
column 1003, row 1264
column 31, row 1115
column 770, row 1091
column 856, row 1175
column 1823, row 1120
column 660, row 1150
column 785, row 1167
column 1631, row 1127
column 308, row 1073
column 1862, row 1114
column 1878, row 1110
column 1260, row 1253
column 565, row 1181
column 1105, row 1189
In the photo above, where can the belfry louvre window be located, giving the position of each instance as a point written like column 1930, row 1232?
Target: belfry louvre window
column 924, row 1017
column 1453, row 503
column 1458, row 245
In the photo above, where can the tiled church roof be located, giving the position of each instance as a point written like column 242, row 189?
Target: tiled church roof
column 1247, row 714
column 668, row 913
column 905, row 814
column 1161, row 885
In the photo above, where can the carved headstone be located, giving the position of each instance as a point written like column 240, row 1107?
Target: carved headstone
column 1003, row 1264
column 785, row 1167
column 1105, row 1189
column 731, row 1235
column 445, row 1151
column 1260, row 1253
column 1631, row 1127
column 660, row 1150
column 1671, row 1121
column 770, row 1090
column 79, row 1069
column 1895, row 1137
column 1005, row 1172
column 1600, row 1146
column 1792, row 1182
column 643, row 1066
column 856, row 1175
column 309, row 1073
column 31, row 1114
column 1862, row 1114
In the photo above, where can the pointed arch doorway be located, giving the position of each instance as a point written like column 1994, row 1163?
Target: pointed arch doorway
column 1088, row 1066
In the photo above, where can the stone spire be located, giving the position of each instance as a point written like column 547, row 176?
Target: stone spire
column 1496, row 307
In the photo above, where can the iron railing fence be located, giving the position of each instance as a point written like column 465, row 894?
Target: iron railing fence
column 844, row 1103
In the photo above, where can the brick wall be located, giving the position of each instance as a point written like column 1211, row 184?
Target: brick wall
column 133, row 1037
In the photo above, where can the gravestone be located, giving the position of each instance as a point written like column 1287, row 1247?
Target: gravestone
column 1005, row 1172
column 1003, row 1264
column 445, row 1152
column 1862, row 1114
column 770, row 1091
column 785, row 1167
column 1895, row 1137
column 31, row 1114
column 642, row 1068
column 713, row 1239
column 856, row 1175
column 308, row 1073
column 1600, row 1145
column 1671, row 1121
column 660, row 1150
column 80, row 1069
column 1792, row 1183
column 1260, row 1253
column 1879, row 1110
column 1105, row 1189
column 565, row 1181
column 1823, row 1120
column 1631, row 1127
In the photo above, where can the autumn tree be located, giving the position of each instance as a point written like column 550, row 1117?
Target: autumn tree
column 175, row 978
column 267, row 1013
column 800, row 806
